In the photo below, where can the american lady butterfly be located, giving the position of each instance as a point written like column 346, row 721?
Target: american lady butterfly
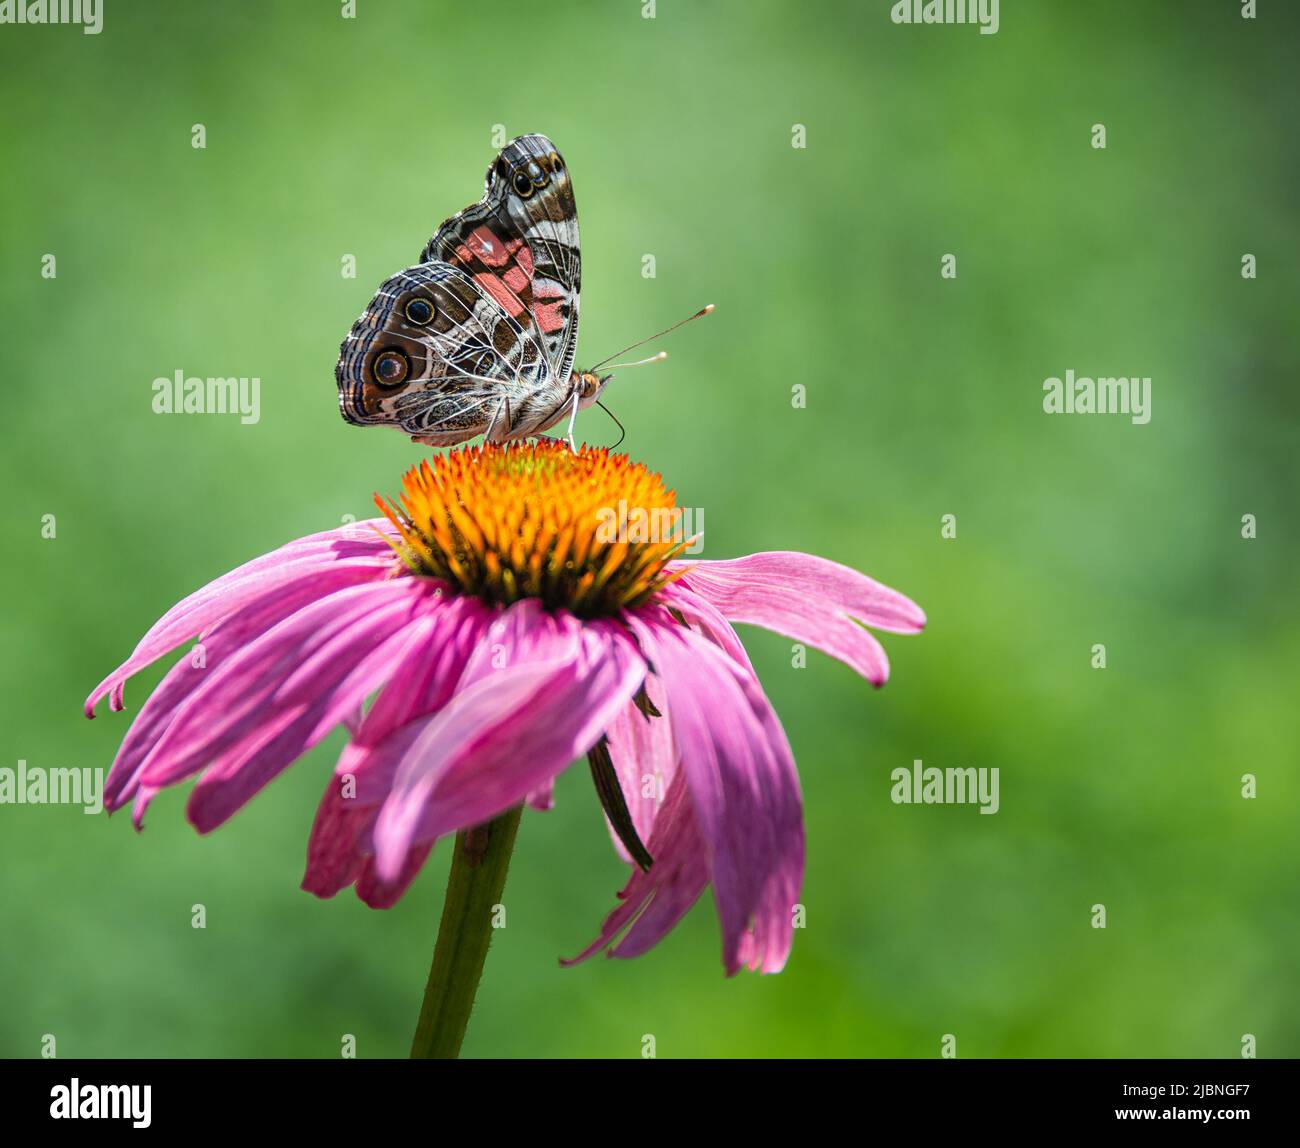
column 480, row 336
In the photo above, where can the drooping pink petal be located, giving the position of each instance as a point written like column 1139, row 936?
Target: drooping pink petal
column 256, row 710
column 233, row 698
column 809, row 599
column 378, row 893
column 641, row 750
column 339, row 853
column 352, row 721
column 328, row 561
column 543, row 797
column 538, row 694
column 226, row 640
column 430, row 672
column 704, row 616
column 330, row 684
column 255, row 759
column 423, row 677
column 654, row 901
column 743, row 787
column 334, row 856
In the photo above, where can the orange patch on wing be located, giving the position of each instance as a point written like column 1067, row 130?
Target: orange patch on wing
column 495, row 286
column 548, row 315
column 508, row 287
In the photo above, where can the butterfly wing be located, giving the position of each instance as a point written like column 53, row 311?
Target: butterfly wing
column 520, row 244
column 435, row 354
column 490, row 314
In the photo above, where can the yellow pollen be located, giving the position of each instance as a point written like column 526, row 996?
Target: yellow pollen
column 589, row 532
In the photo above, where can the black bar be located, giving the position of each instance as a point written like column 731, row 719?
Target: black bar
column 343, row 1097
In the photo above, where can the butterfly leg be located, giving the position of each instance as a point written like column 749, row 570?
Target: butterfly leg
column 498, row 428
column 567, row 437
column 573, row 417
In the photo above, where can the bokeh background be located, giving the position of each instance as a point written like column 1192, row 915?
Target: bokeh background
column 329, row 136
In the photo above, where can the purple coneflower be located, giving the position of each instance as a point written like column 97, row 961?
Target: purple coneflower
column 505, row 627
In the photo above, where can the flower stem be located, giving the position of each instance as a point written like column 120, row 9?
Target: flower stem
column 478, row 875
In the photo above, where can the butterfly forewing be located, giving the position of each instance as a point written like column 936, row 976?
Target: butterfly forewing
column 520, row 242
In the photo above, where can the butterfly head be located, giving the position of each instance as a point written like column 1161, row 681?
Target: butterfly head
column 589, row 386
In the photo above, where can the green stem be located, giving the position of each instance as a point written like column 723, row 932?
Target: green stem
column 478, row 875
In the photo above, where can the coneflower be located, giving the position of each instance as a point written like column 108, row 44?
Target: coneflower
column 503, row 630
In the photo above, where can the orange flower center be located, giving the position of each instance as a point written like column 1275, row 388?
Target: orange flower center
column 589, row 532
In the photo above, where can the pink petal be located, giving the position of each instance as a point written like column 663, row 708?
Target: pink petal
column 158, row 712
column 381, row 894
column 539, row 693
column 703, row 615
column 422, row 679
column 329, row 560
column 654, row 901
column 333, row 854
column 287, row 717
column 809, row 599
column 338, row 854
column 543, row 797
column 641, row 749
column 743, row 787
column 430, row 671
column 246, row 714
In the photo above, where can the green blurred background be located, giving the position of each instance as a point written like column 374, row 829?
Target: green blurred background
column 1122, row 786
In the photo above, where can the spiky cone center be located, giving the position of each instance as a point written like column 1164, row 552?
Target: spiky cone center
column 590, row 532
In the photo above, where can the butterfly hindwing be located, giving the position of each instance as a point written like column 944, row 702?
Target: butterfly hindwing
column 435, row 354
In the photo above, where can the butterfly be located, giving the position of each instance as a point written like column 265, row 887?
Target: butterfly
column 480, row 336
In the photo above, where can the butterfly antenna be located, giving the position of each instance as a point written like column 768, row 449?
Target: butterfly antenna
column 622, row 431
column 641, row 342
column 659, row 358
